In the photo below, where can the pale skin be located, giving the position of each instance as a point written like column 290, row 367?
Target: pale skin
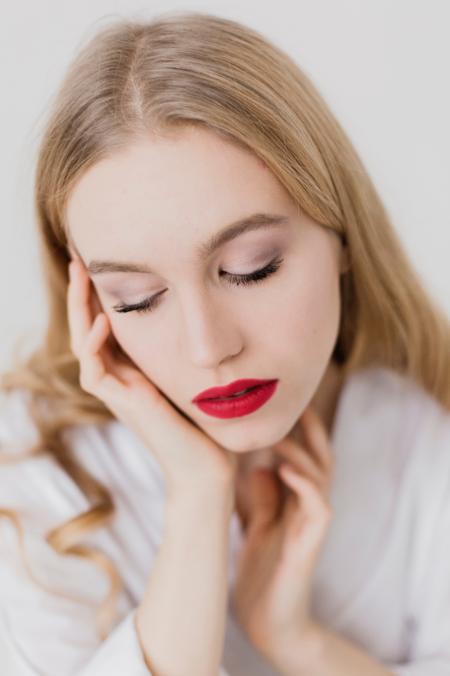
column 154, row 203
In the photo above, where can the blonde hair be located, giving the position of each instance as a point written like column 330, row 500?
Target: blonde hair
column 191, row 68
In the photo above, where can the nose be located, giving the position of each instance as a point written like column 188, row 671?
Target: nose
column 209, row 332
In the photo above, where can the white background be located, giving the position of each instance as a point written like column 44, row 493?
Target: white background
column 382, row 65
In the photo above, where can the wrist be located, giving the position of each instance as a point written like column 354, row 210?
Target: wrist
column 213, row 496
column 296, row 654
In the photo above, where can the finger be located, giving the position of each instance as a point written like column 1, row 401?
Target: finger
column 313, row 516
column 91, row 363
column 309, row 498
column 97, row 336
column 94, row 376
column 97, row 358
column 78, row 313
column 300, row 458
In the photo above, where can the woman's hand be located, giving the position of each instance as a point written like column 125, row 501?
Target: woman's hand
column 188, row 456
column 283, row 537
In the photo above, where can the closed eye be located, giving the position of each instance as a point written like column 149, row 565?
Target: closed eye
column 149, row 304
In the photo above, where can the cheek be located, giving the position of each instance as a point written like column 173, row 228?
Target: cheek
column 144, row 345
column 308, row 320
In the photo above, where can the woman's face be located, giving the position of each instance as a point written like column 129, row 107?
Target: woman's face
column 153, row 206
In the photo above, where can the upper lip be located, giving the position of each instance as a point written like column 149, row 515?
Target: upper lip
column 231, row 388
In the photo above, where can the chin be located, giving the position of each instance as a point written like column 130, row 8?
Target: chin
column 240, row 446
column 234, row 441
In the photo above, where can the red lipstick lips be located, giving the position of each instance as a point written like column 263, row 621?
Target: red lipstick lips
column 234, row 400
column 228, row 390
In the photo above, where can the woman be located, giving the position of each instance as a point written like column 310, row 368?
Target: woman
column 205, row 223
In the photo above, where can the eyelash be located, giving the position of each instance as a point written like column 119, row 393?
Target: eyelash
column 150, row 304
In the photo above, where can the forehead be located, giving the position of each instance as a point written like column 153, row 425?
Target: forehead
column 169, row 192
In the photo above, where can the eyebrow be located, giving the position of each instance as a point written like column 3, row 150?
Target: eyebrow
column 203, row 251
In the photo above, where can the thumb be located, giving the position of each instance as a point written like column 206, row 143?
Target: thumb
column 264, row 497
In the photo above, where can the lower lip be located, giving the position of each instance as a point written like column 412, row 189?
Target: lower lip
column 238, row 406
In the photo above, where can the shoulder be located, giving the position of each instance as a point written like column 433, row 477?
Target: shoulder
column 379, row 393
column 393, row 447
column 380, row 387
column 422, row 425
column 390, row 423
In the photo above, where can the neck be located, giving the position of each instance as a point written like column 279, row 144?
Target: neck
column 327, row 395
